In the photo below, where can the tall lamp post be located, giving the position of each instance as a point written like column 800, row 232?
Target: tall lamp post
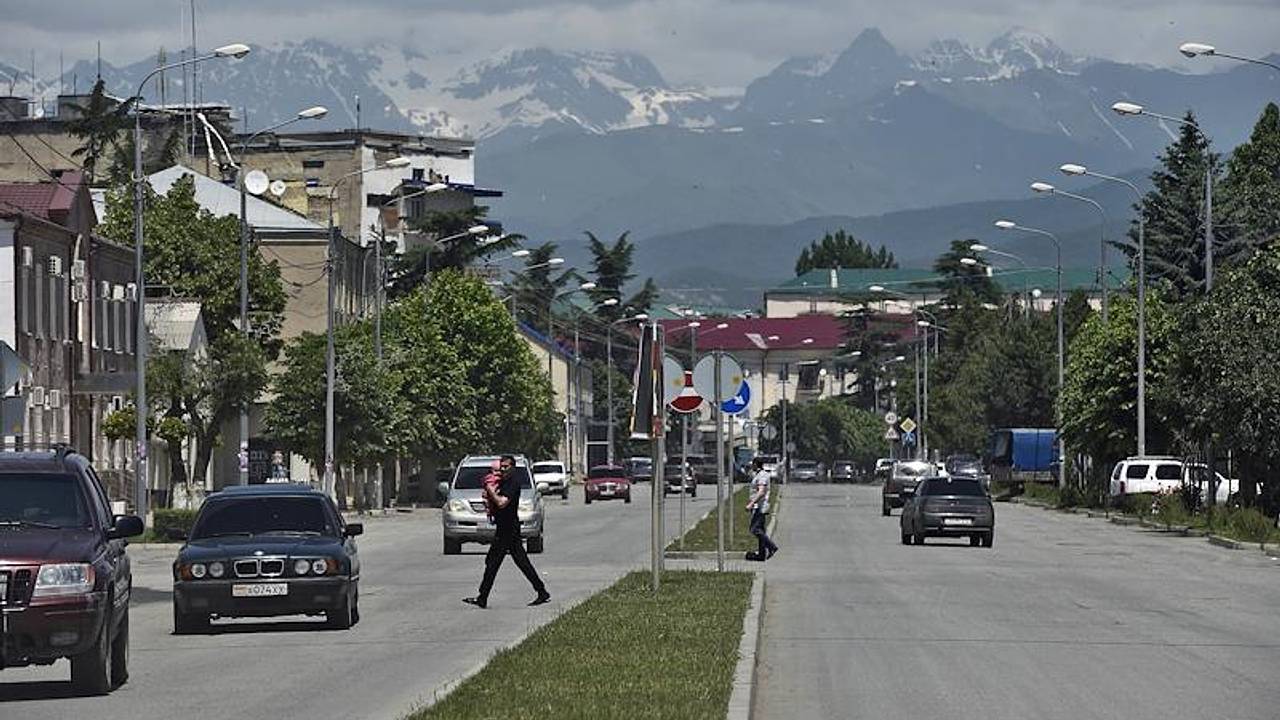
column 608, row 340
column 1062, row 449
column 1046, row 188
column 1128, row 108
column 330, row 371
column 311, row 113
column 980, row 248
column 915, row 330
column 1081, row 170
column 142, row 340
column 1193, row 49
column 568, row 378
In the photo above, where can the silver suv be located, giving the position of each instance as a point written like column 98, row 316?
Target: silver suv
column 464, row 517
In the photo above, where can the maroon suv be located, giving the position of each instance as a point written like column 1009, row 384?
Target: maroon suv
column 64, row 574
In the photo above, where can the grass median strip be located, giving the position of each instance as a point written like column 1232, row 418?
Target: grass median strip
column 702, row 537
column 623, row 653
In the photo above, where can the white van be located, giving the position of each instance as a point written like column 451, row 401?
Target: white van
column 1164, row 474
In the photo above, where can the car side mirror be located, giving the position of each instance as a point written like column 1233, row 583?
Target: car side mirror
column 125, row 526
column 442, row 489
column 543, row 487
column 353, row 529
column 175, row 534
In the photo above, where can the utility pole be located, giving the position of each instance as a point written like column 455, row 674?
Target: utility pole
column 717, row 412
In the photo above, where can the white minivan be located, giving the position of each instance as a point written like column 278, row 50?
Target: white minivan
column 1164, row 474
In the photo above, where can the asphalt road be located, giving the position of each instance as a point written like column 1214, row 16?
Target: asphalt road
column 1066, row 617
column 414, row 636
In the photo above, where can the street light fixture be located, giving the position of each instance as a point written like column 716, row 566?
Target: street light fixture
column 1047, row 189
column 1062, row 453
column 1082, row 171
column 1193, row 49
column 142, row 340
column 608, row 339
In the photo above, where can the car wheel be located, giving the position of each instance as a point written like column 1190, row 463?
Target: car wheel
column 452, row 547
column 91, row 670
column 120, row 653
column 189, row 623
column 906, row 538
column 534, row 545
column 989, row 539
column 974, row 540
column 341, row 617
column 884, row 509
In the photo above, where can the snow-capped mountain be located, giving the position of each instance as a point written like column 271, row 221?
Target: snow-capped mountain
column 1010, row 55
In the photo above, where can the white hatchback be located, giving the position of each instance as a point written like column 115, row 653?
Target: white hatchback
column 552, row 474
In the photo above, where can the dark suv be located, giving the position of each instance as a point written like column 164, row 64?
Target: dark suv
column 64, row 573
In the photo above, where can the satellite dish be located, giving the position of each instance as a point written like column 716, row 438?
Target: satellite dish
column 255, row 183
column 278, row 188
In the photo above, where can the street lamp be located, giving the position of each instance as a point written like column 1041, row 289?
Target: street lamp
column 608, row 335
column 1193, row 49
column 1082, row 171
column 329, row 486
column 1046, row 188
column 311, row 113
column 1128, row 108
column 234, row 50
column 1062, row 452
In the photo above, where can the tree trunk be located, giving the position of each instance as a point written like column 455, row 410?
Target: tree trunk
column 177, row 469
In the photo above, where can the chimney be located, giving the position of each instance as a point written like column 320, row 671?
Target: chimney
column 14, row 108
column 835, row 278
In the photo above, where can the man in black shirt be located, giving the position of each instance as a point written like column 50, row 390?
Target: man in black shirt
column 506, row 538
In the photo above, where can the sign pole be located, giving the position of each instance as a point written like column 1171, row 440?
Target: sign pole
column 718, row 411
column 729, row 501
column 658, row 430
column 684, row 463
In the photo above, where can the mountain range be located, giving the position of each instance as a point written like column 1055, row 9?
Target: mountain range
column 598, row 140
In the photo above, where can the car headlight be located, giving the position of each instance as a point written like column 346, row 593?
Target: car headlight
column 63, row 579
column 217, row 569
column 323, row 566
column 458, row 505
column 198, row 570
column 301, row 567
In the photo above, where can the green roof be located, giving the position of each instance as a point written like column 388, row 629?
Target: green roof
column 920, row 280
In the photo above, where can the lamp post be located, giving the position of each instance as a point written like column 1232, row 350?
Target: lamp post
column 142, row 340
column 980, row 248
column 577, row 380
column 1046, row 188
column 311, row 113
column 1081, row 170
column 915, row 330
column 1128, row 108
column 1194, row 49
column 568, row 377
column 330, row 369
column 1062, row 450
column 608, row 341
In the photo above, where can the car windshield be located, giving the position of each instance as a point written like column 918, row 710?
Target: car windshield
column 768, row 459
column 542, row 468
column 912, row 469
column 806, row 465
column 472, row 477
column 605, row 472
column 965, row 467
column 970, row 488
column 258, row 515
column 42, row 500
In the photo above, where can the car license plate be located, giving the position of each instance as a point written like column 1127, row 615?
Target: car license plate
column 252, row 590
column 957, row 521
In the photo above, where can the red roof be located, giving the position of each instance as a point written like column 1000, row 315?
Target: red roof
column 48, row 200
column 826, row 332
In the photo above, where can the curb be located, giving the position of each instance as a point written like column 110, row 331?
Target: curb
column 1225, row 542
column 744, row 675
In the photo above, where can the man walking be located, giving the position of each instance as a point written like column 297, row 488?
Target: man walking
column 759, row 508
column 505, row 501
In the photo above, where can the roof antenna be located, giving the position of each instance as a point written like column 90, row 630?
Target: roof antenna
column 99, row 60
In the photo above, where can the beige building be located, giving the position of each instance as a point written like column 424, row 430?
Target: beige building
column 571, row 383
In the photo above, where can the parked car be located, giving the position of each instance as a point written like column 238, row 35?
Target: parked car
column 606, row 482
column 844, row 471
column 968, row 466
column 551, row 478
column 265, row 551
column 639, row 469
column 902, row 480
column 1165, row 474
column 807, row 471
column 465, row 518
column 678, row 478
column 948, row 507
column 65, row 577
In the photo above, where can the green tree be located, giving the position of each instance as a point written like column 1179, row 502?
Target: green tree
column 1251, row 190
column 964, row 284
column 411, row 269
column 98, row 126
column 195, row 255
column 829, row 430
column 611, row 272
column 842, row 250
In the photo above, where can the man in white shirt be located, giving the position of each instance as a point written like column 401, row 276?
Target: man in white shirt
column 759, row 508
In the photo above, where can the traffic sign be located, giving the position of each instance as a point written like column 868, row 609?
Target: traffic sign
column 673, row 379
column 908, row 438
column 704, row 380
column 891, row 417
column 768, row 432
column 739, row 401
column 891, row 434
column 908, row 426
column 791, row 447
column 688, row 401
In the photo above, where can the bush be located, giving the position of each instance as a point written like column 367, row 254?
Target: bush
column 1140, row 504
column 1249, row 525
column 172, row 519
column 1171, row 509
column 1071, row 497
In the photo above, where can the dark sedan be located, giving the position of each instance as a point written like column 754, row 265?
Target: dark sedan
column 844, row 471
column 949, row 507
column 606, row 482
column 267, row 550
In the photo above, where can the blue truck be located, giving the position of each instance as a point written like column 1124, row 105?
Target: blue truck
column 1020, row 455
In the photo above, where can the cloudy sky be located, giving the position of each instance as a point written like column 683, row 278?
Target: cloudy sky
column 720, row 43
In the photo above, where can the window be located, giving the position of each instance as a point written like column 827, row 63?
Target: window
column 968, row 488
column 472, row 478
column 43, row 499
column 1136, row 471
column 312, row 164
column 263, row 515
column 1168, row 471
column 418, row 173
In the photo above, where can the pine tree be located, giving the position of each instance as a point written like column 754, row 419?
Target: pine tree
column 535, row 286
column 842, row 250
column 98, row 127
column 1250, row 194
column 611, row 272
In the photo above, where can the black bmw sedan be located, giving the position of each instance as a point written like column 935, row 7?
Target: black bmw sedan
column 267, row 550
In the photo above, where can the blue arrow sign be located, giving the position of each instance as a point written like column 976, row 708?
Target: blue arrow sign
column 909, row 438
column 739, row 401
